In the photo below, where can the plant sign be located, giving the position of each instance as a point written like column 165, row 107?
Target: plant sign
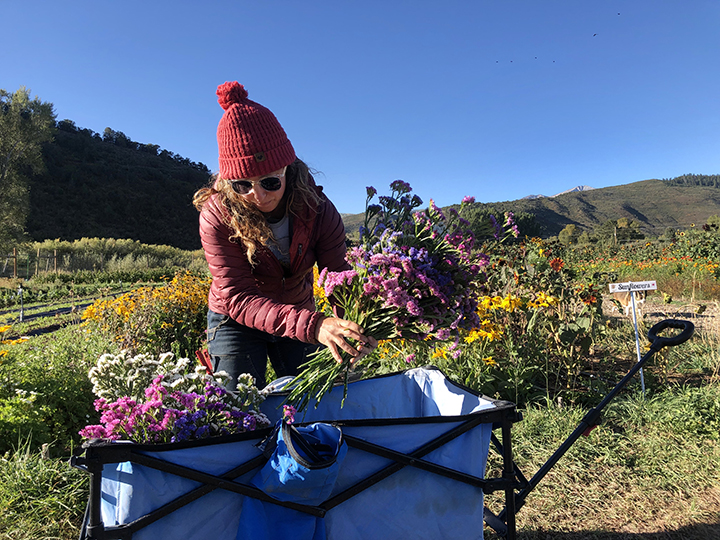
column 632, row 288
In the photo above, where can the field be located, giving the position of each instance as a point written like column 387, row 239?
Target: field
column 551, row 341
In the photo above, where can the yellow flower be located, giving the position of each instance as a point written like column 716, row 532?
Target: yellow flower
column 489, row 361
column 318, row 292
column 510, row 303
column 5, row 328
column 440, row 353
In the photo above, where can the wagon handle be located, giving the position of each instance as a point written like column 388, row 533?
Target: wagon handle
column 590, row 419
column 659, row 342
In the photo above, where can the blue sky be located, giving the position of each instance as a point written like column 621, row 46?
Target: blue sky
column 492, row 99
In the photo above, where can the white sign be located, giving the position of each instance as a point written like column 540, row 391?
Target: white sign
column 633, row 286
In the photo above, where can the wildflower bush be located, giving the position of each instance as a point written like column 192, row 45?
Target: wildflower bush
column 40, row 497
column 89, row 255
column 8, row 339
column 536, row 326
column 153, row 320
column 181, row 402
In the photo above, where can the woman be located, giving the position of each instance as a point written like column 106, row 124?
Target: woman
column 264, row 224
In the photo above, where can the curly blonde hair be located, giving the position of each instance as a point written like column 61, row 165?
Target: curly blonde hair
column 247, row 224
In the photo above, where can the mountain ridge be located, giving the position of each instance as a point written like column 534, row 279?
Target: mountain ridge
column 571, row 190
column 655, row 204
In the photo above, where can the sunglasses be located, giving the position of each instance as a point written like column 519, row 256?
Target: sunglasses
column 269, row 183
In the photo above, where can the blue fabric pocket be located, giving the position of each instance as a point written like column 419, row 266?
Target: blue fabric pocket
column 303, row 465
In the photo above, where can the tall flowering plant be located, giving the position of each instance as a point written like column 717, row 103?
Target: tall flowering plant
column 414, row 275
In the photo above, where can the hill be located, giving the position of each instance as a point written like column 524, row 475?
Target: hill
column 110, row 186
column 654, row 204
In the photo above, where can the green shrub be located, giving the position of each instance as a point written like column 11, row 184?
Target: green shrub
column 44, row 387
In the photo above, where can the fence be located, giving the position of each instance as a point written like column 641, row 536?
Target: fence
column 28, row 264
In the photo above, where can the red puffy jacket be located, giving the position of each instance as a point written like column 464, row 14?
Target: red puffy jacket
column 264, row 296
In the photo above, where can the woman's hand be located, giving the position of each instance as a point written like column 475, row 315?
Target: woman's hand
column 332, row 331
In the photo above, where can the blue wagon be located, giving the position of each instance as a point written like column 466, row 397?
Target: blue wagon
column 417, row 446
column 404, row 457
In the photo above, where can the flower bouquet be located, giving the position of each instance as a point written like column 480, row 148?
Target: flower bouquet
column 179, row 404
column 414, row 275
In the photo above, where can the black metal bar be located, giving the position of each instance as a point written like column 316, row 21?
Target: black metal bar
column 193, row 495
column 509, row 475
column 221, row 483
column 418, row 463
column 518, row 473
column 393, row 468
column 95, row 527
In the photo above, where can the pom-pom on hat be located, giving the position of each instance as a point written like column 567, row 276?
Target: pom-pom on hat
column 251, row 141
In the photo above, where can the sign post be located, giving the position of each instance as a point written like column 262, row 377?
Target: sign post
column 633, row 287
column 20, row 294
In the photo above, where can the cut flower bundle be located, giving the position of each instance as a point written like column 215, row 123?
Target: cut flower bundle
column 415, row 275
column 176, row 406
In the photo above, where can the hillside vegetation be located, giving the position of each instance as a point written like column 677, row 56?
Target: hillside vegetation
column 112, row 187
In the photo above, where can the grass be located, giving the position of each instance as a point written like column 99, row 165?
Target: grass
column 41, row 498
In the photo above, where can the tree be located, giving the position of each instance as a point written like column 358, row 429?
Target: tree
column 584, row 238
column 568, row 235
column 713, row 223
column 25, row 125
column 623, row 230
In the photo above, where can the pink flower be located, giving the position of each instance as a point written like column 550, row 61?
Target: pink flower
column 289, row 414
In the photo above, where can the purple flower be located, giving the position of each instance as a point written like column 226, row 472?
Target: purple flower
column 437, row 210
column 495, row 226
column 93, row 432
column 509, row 219
column 413, row 308
column 337, row 279
column 249, row 423
column 371, row 192
column 468, row 200
column 400, row 187
column 443, row 334
column 410, row 358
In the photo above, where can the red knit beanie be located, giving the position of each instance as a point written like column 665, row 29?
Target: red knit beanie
column 251, row 142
